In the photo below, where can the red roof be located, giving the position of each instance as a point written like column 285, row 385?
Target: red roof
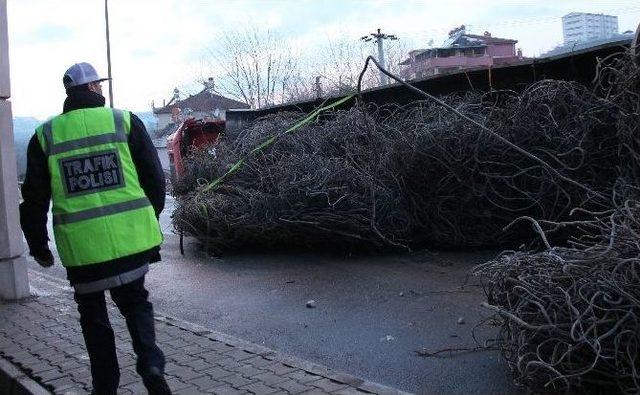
column 204, row 101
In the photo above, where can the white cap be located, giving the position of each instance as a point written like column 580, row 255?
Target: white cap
column 80, row 74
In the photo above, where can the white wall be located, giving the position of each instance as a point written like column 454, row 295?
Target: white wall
column 14, row 283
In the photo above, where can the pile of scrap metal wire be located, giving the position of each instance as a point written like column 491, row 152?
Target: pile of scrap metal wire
column 392, row 177
column 421, row 175
column 570, row 316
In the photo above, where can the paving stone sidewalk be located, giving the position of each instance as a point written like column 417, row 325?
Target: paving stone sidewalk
column 41, row 336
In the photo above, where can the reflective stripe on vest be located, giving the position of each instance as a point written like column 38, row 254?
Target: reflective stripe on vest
column 100, row 212
column 61, row 219
column 119, row 136
column 111, row 282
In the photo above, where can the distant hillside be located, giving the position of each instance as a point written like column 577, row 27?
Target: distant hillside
column 23, row 128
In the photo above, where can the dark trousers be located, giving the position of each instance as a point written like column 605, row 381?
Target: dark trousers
column 132, row 302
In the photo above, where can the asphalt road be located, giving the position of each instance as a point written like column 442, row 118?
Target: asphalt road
column 371, row 316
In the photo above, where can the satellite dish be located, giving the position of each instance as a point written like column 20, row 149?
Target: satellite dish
column 216, row 113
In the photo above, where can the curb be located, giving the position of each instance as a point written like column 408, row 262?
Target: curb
column 14, row 381
column 309, row 367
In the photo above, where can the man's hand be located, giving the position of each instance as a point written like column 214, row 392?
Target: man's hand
column 44, row 258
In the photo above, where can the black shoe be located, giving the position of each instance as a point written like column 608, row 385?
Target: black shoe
column 155, row 383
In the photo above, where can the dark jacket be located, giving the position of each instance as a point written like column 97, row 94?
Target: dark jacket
column 36, row 194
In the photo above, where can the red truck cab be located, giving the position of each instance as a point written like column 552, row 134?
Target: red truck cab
column 192, row 133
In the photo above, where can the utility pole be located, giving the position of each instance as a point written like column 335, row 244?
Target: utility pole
column 14, row 282
column 379, row 38
column 106, row 18
column 318, row 87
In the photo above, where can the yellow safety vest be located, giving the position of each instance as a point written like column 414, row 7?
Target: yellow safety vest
column 100, row 212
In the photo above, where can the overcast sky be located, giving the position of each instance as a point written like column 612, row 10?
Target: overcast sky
column 157, row 45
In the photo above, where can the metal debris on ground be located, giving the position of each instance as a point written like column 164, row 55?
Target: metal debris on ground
column 570, row 314
column 557, row 163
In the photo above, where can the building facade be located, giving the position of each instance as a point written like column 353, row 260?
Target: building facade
column 583, row 27
column 204, row 105
column 461, row 51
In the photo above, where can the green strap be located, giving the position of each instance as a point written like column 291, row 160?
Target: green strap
column 273, row 139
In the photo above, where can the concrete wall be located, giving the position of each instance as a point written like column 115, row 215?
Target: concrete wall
column 14, row 283
column 5, row 91
column 10, row 240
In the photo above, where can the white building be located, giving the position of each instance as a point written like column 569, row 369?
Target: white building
column 581, row 26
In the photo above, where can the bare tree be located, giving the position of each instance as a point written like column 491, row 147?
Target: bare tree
column 302, row 87
column 261, row 69
column 255, row 67
column 396, row 52
column 340, row 63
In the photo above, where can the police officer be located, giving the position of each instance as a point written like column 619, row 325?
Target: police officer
column 102, row 174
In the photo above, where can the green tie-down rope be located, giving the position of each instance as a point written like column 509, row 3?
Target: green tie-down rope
column 312, row 116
